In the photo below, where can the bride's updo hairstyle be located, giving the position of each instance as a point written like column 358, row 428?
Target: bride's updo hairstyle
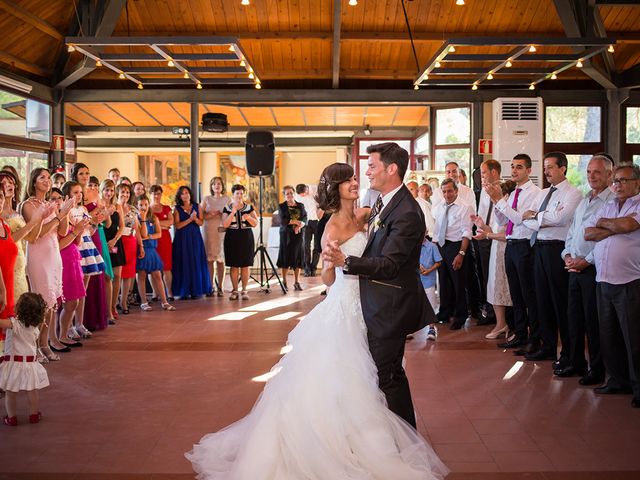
column 328, row 196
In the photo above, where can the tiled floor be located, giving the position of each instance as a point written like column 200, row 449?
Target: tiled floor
column 135, row 397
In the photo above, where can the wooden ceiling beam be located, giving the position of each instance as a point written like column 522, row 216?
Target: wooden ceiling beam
column 23, row 65
column 29, row 18
column 337, row 24
column 346, row 36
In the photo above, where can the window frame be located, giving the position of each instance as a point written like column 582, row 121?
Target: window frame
column 628, row 149
column 453, row 146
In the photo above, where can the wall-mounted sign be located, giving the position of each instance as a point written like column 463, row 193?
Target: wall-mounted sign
column 485, row 146
column 57, row 143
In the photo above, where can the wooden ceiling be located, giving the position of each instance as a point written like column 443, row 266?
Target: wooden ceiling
column 311, row 117
column 290, row 41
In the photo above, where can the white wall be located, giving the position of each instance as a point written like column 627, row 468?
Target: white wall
column 100, row 163
column 306, row 166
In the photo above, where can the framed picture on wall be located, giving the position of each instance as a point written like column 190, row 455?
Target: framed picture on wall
column 233, row 170
column 169, row 170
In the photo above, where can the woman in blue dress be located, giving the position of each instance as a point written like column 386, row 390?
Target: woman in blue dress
column 190, row 273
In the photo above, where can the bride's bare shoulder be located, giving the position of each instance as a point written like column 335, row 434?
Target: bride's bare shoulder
column 337, row 230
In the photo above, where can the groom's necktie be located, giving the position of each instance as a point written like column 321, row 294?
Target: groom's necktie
column 542, row 208
column 375, row 211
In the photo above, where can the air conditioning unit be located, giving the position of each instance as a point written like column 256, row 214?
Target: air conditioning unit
column 518, row 128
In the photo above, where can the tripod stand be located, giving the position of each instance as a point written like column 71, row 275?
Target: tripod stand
column 265, row 275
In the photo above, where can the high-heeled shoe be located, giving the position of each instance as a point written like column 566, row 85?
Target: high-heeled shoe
column 52, row 357
column 494, row 334
column 41, row 357
column 65, row 349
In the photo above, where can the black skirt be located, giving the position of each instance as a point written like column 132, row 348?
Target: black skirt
column 290, row 252
column 238, row 247
column 118, row 258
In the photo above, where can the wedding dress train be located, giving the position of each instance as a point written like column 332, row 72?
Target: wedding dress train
column 322, row 416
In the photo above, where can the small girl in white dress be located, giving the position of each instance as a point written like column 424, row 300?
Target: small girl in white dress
column 19, row 367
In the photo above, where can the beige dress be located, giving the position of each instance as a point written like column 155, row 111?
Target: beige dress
column 20, row 284
column 213, row 238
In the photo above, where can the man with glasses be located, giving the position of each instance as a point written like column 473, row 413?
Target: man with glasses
column 616, row 231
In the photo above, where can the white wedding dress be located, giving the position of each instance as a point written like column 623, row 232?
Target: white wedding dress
column 322, row 416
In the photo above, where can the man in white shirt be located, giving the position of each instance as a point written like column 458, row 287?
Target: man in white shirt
column 465, row 194
column 616, row 231
column 549, row 221
column 424, row 206
column 578, row 260
column 311, row 257
column 518, row 253
column 453, row 236
column 425, row 192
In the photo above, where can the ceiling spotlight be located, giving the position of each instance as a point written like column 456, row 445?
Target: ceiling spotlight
column 474, row 87
column 532, row 49
column 459, row 2
column 251, row 76
column 242, row 64
column 140, row 86
column 244, row 2
column 508, row 64
column 611, row 49
column 121, row 76
column 71, row 48
column 367, row 130
column 232, row 48
column 490, row 76
column 258, row 86
column 452, row 49
column 186, row 75
column 438, row 65
column 170, row 63
column 554, row 76
column 532, row 87
column 426, row 76
column 98, row 63
column 579, row 64
column 199, row 86
column 416, row 87
column 353, row 3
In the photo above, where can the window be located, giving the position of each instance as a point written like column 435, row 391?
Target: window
column 23, row 162
column 20, row 117
column 577, row 131
column 631, row 147
column 452, row 137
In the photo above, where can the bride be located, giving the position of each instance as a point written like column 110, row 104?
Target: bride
column 322, row 416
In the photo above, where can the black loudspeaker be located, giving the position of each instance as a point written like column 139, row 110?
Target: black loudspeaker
column 260, row 149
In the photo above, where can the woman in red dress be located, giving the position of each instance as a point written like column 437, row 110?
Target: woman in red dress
column 164, row 214
column 8, row 256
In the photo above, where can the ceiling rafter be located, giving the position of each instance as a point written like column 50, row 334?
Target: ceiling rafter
column 337, row 25
column 31, row 19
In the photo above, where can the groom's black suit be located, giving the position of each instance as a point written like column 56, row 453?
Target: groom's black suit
column 393, row 301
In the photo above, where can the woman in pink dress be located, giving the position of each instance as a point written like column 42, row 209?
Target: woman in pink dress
column 44, row 264
column 165, row 215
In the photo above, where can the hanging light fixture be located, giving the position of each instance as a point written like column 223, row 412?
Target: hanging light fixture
column 199, row 86
column 416, row 87
column 460, row 2
column 438, row 65
column 232, row 48
column 452, row 49
column 186, row 75
column 353, row 3
column 170, row 63
column 579, row 64
column 242, row 64
column 554, row 76
column 98, row 63
column 258, row 86
column 251, row 76
column 611, row 49
column 532, row 49
column 490, row 76
column 474, row 87
column 244, row 2
column 140, row 86
column 532, row 87
column 508, row 64
column 71, row 48
column 121, row 76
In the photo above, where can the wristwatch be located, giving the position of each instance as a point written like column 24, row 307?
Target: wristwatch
column 347, row 264
column 462, row 252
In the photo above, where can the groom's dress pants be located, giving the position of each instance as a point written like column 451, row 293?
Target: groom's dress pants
column 387, row 354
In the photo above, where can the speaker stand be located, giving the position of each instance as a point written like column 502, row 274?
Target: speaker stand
column 264, row 276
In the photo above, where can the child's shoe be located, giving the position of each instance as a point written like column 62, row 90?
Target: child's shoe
column 432, row 333
column 10, row 421
column 35, row 418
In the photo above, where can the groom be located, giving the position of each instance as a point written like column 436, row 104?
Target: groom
column 393, row 301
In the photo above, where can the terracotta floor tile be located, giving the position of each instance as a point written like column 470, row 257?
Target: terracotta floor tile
column 134, row 398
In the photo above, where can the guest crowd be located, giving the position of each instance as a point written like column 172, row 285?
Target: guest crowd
column 543, row 265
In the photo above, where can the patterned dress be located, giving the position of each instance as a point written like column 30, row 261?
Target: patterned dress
column 20, row 284
column 213, row 237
